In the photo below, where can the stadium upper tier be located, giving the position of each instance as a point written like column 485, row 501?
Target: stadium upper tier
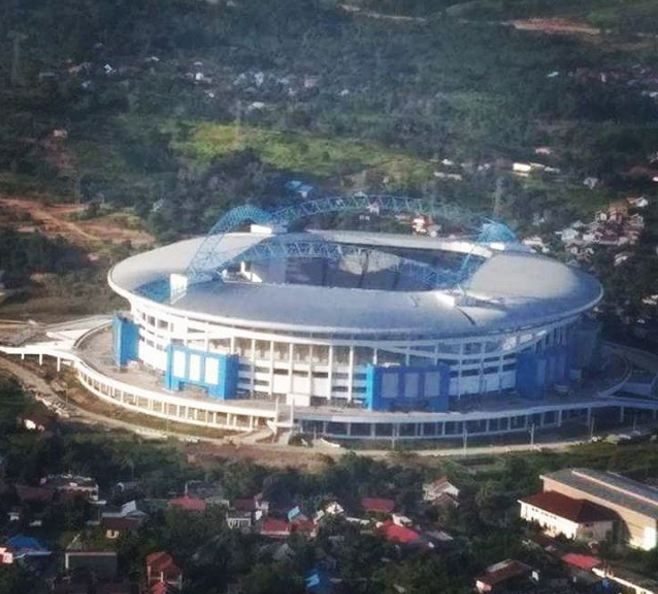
column 506, row 286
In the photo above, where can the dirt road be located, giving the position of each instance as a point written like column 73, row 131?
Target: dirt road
column 54, row 219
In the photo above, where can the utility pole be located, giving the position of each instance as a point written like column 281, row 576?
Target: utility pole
column 16, row 74
column 498, row 197
column 591, row 427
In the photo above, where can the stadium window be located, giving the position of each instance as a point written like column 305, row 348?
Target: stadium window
column 472, row 348
column 470, row 372
column 362, row 355
column 341, row 355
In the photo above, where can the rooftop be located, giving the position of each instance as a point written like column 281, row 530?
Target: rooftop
column 520, row 287
column 575, row 510
column 613, row 488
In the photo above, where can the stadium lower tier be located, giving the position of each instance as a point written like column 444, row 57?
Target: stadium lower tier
column 377, row 375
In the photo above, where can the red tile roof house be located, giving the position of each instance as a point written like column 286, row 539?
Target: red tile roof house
column 497, row 577
column 160, row 568
column 34, row 494
column 374, row 505
column 583, row 562
column 397, row 534
column 275, row 528
column 189, row 504
column 576, row 519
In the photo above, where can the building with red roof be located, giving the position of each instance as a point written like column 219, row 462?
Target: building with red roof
column 161, row 568
column 398, row 534
column 557, row 514
column 584, row 562
column 275, row 528
column 189, row 504
column 374, row 505
column 499, row 576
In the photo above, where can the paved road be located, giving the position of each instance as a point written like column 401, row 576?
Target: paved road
column 41, row 390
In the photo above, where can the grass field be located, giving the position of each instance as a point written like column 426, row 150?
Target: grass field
column 300, row 152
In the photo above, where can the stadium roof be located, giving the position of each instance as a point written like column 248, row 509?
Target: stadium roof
column 510, row 290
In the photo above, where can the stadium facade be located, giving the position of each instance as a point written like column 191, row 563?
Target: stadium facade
column 356, row 323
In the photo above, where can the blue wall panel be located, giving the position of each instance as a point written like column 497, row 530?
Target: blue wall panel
column 536, row 373
column 216, row 372
column 401, row 387
column 125, row 340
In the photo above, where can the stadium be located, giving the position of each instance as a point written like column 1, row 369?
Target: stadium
column 267, row 325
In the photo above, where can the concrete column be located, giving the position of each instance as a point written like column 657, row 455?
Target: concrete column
column 350, row 375
column 372, row 430
column 330, row 372
column 252, row 379
column 559, row 418
column 59, row 364
column 271, row 391
column 291, row 354
column 621, row 414
column 348, row 427
column 40, row 358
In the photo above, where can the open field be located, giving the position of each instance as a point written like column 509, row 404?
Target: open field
column 299, row 152
column 58, row 219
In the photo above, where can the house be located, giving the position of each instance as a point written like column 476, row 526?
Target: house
column 21, row 547
column 100, row 564
column 161, row 569
column 300, row 188
column 256, row 504
column 582, row 562
column 210, row 492
column 115, row 527
column 239, row 520
column 37, row 422
column 634, row 504
column 440, row 491
column 373, row 505
column 638, row 202
column 621, row 257
column 500, row 576
column 6, row 556
column 303, row 525
column 68, row 485
column 275, row 528
column 627, row 579
column 28, row 494
column 397, row 534
column 576, row 519
column 189, row 504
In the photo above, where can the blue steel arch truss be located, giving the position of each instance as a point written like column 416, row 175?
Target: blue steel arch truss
column 210, row 255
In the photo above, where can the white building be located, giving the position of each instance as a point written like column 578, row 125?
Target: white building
column 576, row 519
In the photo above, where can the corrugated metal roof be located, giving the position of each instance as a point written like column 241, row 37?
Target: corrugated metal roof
column 611, row 487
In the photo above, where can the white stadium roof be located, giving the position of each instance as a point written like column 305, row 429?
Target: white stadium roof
column 510, row 289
